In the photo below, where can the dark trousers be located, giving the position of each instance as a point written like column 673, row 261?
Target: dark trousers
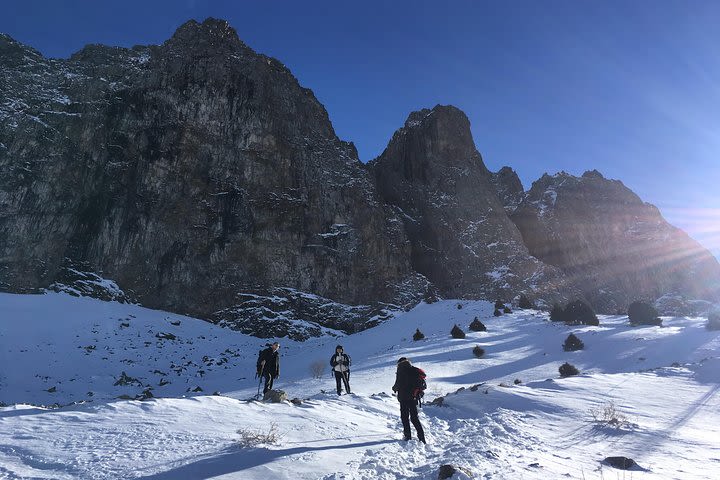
column 409, row 413
column 342, row 377
column 269, row 377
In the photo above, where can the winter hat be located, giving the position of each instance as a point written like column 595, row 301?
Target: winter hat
column 339, row 347
column 403, row 359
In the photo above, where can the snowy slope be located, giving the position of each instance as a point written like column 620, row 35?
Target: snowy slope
column 663, row 380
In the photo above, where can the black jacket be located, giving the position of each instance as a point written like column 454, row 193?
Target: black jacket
column 405, row 381
column 345, row 361
column 272, row 362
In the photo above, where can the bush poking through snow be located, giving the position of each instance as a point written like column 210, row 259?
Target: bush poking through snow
column 497, row 312
column 507, row 310
column 713, row 322
column 457, row 332
column 580, row 312
column 608, row 415
column 573, row 343
column 478, row 351
column 252, row 438
column 568, row 370
column 641, row 313
column 524, row 303
column 577, row 313
column 556, row 314
column 477, row 326
column 317, row 368
column 418, row 335
column 499, row 305
column 459, row 306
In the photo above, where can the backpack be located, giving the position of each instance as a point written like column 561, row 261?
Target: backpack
column 260, row 360
column 258, row 366
column 420, row 384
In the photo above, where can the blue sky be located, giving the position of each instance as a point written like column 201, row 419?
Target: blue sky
column 631, row 88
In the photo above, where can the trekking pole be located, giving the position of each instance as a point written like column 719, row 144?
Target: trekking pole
column 257, row 395
column 347, row 381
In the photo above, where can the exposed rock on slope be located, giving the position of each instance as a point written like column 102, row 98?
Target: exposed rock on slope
column 615, row 247
column 509, row 188
column 188, row 173
column 462, row 239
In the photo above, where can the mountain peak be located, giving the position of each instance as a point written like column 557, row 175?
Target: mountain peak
column 438, row 112
column 212, row 34
column 592, row 174
column 14, row 52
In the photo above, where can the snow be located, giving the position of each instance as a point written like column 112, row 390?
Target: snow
column 662, row 380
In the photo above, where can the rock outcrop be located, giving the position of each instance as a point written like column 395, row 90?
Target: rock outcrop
column 189, row 173
column 612, row 245
column 509, row 188
column 462, row 239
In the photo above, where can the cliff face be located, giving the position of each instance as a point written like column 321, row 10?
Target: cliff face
column 613, row 246
column 201, row 178
column 462, row 239
column 189, row 173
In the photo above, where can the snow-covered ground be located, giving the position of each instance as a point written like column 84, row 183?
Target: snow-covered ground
column 60, row 350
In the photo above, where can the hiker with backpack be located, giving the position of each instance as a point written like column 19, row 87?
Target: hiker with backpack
column 409, row 385
column 268, row 365
column 340, row 363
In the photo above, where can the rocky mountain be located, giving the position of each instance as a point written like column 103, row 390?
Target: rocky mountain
column 462, row 239
column 193, row 174
column 200, row 177
column 611, row 244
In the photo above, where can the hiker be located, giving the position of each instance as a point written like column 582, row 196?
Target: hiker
column 408, row 382
column 340, row 363
column 268, row 365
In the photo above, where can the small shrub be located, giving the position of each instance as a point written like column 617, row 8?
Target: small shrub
column 317, row 368
column 478, row 351
column 517, row 381
column 524, row 303
column 608, row 415
column 507, row 310
column 499, row 304
column 418, row 335
column 253, row 438
column 457, row 332
column 497, row 312
column 579, row 312
column 477, row 326
column 459, row 306
column 641, row 313
column 573, row 343
column 713, row 322
column 557, row 314
column 568, row 370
